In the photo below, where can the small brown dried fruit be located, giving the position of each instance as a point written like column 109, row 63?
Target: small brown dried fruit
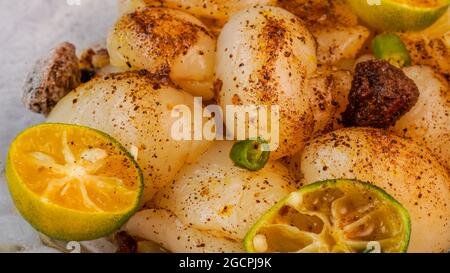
column 381, row 93
column 51, row 79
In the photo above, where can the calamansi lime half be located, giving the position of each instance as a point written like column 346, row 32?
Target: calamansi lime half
column 399, row 15
column 72, row 182
column 332, row 216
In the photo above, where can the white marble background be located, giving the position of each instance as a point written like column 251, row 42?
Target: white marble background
column 28, row 29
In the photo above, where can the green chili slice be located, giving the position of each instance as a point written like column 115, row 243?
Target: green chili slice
column 249, row 154
column 391, row 48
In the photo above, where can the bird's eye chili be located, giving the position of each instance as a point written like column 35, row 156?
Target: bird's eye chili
column 390, row 47
column 249, row 154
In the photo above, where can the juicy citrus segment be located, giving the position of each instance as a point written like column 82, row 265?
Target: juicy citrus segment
column 332, row 216
column 75, row 168
column 399, row 15
column 60, row 174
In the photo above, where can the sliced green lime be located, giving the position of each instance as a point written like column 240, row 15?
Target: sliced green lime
column 332, row 216
column 399, row 15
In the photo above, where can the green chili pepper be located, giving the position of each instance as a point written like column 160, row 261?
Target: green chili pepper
column 249, row 154
column 391, row 48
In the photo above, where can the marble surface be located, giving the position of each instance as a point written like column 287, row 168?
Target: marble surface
column 29, row 29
